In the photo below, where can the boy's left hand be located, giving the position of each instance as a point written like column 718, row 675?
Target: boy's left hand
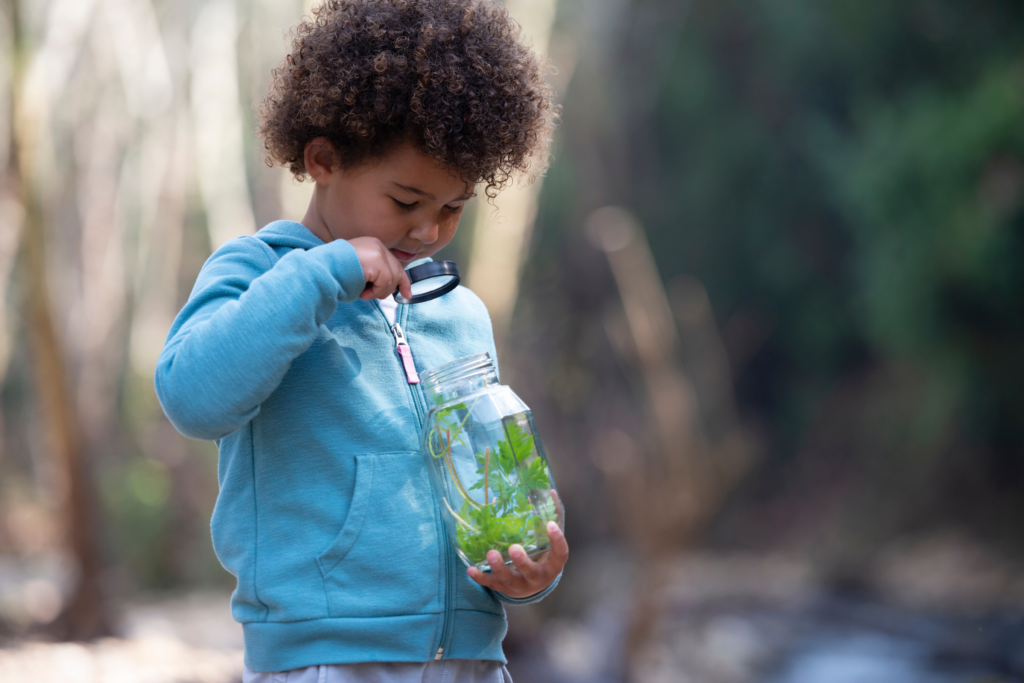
column 526, row 577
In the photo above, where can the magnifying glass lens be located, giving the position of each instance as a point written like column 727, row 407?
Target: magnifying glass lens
column 430, row 284
column 429, row 281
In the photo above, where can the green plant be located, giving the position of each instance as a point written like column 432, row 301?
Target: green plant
column 510, row 511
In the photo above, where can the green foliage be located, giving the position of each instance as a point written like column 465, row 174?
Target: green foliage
column 860, row 136
column 509, row 462
column 509, row 515
column 846, row 179
column 492, row 531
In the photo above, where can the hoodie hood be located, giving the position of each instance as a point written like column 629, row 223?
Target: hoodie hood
column 289, row 234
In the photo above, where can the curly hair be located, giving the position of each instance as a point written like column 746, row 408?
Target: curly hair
column 451, row 76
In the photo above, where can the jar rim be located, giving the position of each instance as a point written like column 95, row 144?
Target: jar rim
column 458, row 369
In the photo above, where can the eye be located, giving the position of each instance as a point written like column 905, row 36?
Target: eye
column 403, row 205
column 452, row 209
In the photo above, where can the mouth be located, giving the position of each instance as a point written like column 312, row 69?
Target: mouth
column 403, row 256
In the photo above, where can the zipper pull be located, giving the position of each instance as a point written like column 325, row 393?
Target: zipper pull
column 402, row 346
column 440, row 653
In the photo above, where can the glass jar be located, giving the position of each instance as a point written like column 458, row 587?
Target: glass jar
column 487, row 463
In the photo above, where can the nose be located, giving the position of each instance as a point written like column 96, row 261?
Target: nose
column 427, row 231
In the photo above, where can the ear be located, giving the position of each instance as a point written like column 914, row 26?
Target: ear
column 319, row 159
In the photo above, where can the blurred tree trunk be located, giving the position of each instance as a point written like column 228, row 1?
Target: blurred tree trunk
column 83, row 616
column 668, row 494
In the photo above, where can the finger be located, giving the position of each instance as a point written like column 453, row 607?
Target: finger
column 398, row 276
column 380, row 287
column 372, row 271
column 559, row 546
column 530, row 570
column 387, row 279
column 484, row 579
column 394, row 274
column 489, row 580
column 405, row 285
column 501, row 571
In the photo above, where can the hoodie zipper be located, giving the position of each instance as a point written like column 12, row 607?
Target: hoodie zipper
column 404, row 351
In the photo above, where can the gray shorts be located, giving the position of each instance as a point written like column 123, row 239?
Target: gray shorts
column 444, row 671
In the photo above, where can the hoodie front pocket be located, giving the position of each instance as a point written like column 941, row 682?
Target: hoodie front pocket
column 385, row 560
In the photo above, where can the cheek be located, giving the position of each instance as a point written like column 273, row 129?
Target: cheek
column 449, row 225
column 390, row 227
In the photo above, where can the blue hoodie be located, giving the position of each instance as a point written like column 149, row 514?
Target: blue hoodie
column 325, row 514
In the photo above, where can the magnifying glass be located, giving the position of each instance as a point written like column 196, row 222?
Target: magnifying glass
column 430, row 280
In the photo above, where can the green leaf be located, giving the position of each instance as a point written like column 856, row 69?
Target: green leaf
column 520, row 440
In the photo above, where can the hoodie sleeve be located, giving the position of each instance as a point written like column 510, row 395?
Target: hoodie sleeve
column 245, row 322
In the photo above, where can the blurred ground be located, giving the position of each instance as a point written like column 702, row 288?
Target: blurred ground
column 939, row 610
column 185, row 639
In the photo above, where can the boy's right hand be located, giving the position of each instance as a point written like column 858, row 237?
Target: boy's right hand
column 384, row 273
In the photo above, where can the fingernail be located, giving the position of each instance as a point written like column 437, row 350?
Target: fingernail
column 470, row 571
column 553, row 528
column 493, row 556
column 515, row 551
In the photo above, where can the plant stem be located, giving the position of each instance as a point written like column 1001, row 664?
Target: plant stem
column 515, row 457
column 451, row 466
column 468, row 525
column 458, row 430
column 487, row 464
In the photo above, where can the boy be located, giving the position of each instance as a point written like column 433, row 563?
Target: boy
column 285, row 352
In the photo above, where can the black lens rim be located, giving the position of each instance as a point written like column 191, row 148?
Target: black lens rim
column 425, row 271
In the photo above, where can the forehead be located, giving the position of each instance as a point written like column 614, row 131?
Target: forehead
column 408, row 166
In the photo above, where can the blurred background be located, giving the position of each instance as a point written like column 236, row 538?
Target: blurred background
column 767, row 306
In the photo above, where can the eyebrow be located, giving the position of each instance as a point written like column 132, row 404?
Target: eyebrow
column 414, row 190
column 421, row 193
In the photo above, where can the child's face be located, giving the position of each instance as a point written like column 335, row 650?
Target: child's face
column 405, row 200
